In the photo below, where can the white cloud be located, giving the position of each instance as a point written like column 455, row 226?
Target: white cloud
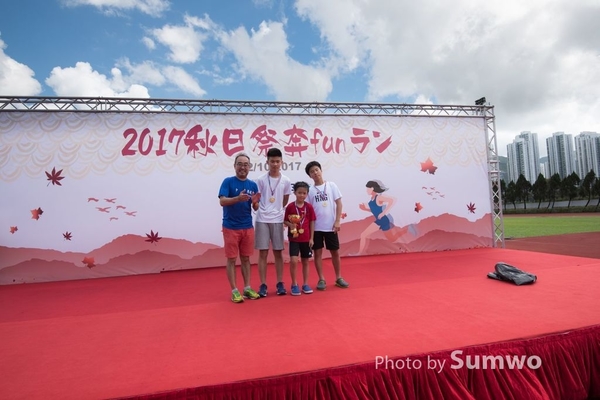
column 157, row 75
column 16, row 79
column 263, row 3
column 422, row 100
column 82, row 80
column 184, row 42
column 264, row 56
column 149, row 43
column 340, row 23
column 204, row 23
column 154, row 8
column 184, row 81
column 537, row 62
column 144, row 72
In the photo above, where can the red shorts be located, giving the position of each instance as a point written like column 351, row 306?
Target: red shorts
column 238, row 241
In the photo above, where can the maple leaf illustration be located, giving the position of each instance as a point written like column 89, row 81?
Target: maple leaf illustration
column 153, row 237
column 89, row 262
column 428, row 166
column 35, row 214
column 13, row 229
column 471, row 208
column 54, row 177
column 67, row 235
column 343, row 215
column 418, row 207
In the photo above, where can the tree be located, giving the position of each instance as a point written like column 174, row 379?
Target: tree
column 587, row 185
column 553, row 188
column 511, row 193
column 540, row 189
column 503, row 192
column 569, row 186
column 596, row 192
column 523, row 189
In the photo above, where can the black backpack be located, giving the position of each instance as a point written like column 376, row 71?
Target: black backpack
column 508, row 273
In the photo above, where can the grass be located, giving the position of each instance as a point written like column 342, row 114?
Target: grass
column 548, row 225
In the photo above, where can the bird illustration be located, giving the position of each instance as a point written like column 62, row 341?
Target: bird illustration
column 121, row 207
column 110, row 200
column 103, row 209
column 92, row 199
column 113, row 218
column 130, row 213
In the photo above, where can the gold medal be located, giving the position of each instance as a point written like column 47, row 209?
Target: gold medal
column 272, row 199
column 301, row 231
column 324, row 204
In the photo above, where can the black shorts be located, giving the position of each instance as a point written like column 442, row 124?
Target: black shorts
column 330, row 238
column 301, row 248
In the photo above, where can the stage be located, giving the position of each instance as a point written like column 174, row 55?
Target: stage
column 177, row 335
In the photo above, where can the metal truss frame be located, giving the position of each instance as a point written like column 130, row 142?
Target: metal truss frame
column 494, row 173
column 132, row 105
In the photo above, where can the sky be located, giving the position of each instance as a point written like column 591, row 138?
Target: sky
column 537, row 61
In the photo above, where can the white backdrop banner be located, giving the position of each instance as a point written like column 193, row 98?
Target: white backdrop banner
column 88, row 195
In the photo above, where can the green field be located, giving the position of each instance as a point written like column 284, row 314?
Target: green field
column 547, row 225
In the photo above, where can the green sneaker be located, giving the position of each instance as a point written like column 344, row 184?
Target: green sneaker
column 340, row 282
column 236, row 297
column 321, row 285
column 251, row 294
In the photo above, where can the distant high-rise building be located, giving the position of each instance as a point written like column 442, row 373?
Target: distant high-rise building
column 503, row 166
column 524, row 157
column 587, row 150
column 544, row 167
column 561, row 158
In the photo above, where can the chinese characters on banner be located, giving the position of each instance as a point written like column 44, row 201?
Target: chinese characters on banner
column 294, row 141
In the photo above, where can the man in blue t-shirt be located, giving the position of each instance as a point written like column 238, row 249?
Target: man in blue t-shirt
column 238, row 195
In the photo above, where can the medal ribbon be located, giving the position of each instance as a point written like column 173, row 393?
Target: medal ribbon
column 322, row 193
column 300, row 214
column 277, row 184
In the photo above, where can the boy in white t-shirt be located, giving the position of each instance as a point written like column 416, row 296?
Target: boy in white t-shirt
column 326, row 199
column 274, row 189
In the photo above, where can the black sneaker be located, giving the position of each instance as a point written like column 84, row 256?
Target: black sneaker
column 262, row 291
column 281, row 289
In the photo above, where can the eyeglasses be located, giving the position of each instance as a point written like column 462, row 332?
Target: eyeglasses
column 244, row 165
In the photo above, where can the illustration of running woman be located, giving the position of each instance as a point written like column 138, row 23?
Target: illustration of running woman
column 380, row 207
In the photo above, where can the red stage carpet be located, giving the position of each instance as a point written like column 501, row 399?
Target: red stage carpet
column 177, row 335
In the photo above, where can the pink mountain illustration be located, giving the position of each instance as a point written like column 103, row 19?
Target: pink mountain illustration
column 126, row 244
column 132, row 244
